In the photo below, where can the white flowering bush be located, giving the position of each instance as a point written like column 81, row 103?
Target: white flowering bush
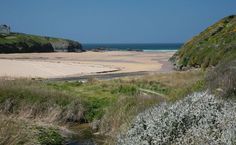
column 200, row 118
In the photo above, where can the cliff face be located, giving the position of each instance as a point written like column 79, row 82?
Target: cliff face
column 25, row 43
column 217, row 43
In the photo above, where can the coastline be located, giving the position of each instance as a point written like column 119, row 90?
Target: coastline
column 104, row 65
column 147, row 50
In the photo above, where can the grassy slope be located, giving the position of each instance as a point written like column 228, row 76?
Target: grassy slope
column 172, row 86
column 30, row 99
column 98, row 95
column 14, row 38
column 114, row 102
column 30, row 112
column 17, row 39
column 215, row 44
column 14, row 131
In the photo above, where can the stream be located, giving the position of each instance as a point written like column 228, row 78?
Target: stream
column 84, row 135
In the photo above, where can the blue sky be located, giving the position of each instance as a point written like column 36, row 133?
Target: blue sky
column 115, row 21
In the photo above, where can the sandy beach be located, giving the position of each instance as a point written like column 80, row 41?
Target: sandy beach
column 59, row 65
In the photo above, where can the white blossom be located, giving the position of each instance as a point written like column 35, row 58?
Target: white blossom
column 199, row 118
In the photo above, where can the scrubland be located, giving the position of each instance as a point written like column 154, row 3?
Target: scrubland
column 109, row 105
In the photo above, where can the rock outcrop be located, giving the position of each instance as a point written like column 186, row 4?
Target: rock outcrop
column 25, row 43
column 216, row 44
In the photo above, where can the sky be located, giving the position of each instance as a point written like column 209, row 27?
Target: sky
column 115, row 21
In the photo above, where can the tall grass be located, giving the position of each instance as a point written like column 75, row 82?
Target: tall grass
column 171, row 87
column 32, row 99
column 16, row 131
column 113, row 104
column 222, row 79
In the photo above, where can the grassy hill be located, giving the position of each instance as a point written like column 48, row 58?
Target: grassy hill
column 37, row 112
column 217, row 43
column 23, row 43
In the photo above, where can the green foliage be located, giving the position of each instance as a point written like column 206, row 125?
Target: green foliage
column 173, row 86
column 23, row 43
column 126, row 89
column 212, row 46
column 95, row 108
column 14, row 38
column 95, row 96
column 114, row 102
column 37, row 100
column 31, row 92
column 92, row 98
column 49, row 136
column 18, row 131
column 98, row 95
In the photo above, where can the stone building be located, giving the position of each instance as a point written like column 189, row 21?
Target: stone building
column 4, row 29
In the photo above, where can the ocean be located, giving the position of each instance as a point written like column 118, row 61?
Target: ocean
column 135, row 47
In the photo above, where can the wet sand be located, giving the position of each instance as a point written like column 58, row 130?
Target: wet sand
column 72, row 65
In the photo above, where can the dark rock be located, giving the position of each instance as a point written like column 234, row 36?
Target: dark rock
column 24, row 48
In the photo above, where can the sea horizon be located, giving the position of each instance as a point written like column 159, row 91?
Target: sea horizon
column 146, row 47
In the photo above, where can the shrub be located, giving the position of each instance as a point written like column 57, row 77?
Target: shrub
column 49, row 136
column 199, row 118
column 222, row 79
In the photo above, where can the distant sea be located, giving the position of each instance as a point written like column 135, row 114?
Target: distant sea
column 135, row 47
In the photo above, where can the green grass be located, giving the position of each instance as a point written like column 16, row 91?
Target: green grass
column 93, row 97
column 15, row 131
column 15, row 38
column 20, row 42
column 35, row 99
column 49, row 136
column 214, row 45
column 32, row 93
column 27, row 38
column 98, row 95
column 173, row 86
column 115, row 102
